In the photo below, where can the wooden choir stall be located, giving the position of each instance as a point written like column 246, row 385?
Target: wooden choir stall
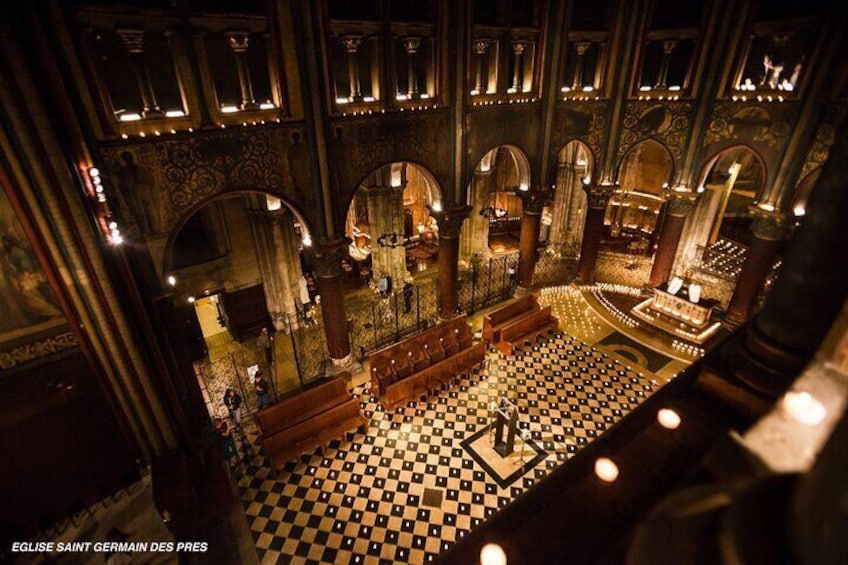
column 520, row 321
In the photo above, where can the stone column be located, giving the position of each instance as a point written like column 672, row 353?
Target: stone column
column 279, row 264
column 475, row 232
column 450, row 225
column 528, row 246
column 768, row 231
column 239, row 43
column 518, row 48
column 677, row 208
column 577, row 80
column 480, row 47
column 569, row 187
column 385, row 216
column 351, row 44
column 411, row 46
column 598, row 197
column 133, row 39
column 668, row 49
column 327, row 259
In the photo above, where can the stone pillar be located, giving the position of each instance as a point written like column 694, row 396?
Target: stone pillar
column 598, row 197
column 475, row 232
column 768, row 231
column 569, row 187
column 480, row 47
column 808, row 292
column 279, row 264
column 518, row 48
column 577, row 80
column 677, row 208
column 450, row 225
column 239, row 43
column 327, row 259
column 662, row 77
column 385, row 216
column 133, row 39
column 528, row 246
column 411, row 46
column 351, row 45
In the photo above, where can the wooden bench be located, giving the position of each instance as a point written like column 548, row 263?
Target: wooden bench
column 528, row 328
column 308, row 418
column 494, row 322
column 415, row 366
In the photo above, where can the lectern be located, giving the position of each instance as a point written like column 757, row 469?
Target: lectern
column 506, row 424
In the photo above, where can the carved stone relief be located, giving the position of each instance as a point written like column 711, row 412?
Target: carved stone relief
column 668, row 122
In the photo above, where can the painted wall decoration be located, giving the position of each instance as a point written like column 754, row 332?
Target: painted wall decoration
column 30, row 315
column 668, row 122
column 584, row 121
column 825, row 136
column 766, row 124
column 154, row 184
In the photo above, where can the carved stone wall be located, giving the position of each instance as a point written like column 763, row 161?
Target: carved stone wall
column 585, row 121
column 825, row 135
column 507, row 124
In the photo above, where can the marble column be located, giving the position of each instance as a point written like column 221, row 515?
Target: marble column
column 577, row 80
column 528, row 246
column 677, row 207
column 351, row 45
column 480, row 46
column 598, row 197
column 450, row 225
column 327, row 259
column 385, row 216
column 518, row 48
column 475, row 231
column 133, row 40
column 239, row 43
column 768, row 232
column 668, row 49
column 411, row 46
column 567, row 200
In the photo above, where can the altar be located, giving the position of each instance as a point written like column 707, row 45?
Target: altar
column 680, row 310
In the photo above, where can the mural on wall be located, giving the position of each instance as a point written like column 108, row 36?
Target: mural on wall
column 30, row 316
column 825, row 136
column 154, row 184
column 768, row 125
column 669, row 122
column 584, row 121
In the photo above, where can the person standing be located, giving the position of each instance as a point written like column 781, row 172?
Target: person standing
column 265, row 342
column 228, row 442
column 263, row 391
column 232, row 401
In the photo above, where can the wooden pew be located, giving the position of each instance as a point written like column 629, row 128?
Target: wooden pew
column 288, row 444
column 409, row 369
column 528, row 328
column 494, row 322
column 308, row 418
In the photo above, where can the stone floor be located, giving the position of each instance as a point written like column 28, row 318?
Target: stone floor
column 420, row 478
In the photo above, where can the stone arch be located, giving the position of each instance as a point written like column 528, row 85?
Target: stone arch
column 502, row 167
column 566, row 215
column 802, row 192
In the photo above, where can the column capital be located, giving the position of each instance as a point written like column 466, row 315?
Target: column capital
column 519, row 45
column 680, row 203
column 327, row 257
column 351, row 43
column 450, row 220
column 411, row 45
column 669, row 45
column 133, row 39
column 480, row 46
column 598, row 194
column 582, row 47
column 239, row 41
column 768, row 225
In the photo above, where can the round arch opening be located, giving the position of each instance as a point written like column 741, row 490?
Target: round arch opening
column 644, row 173
column 391, row 227
column 564, row 218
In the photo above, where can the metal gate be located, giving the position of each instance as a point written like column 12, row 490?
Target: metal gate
column 487, row 283
column 383, row 320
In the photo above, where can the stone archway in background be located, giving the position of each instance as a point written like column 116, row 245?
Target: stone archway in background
column 566, row 214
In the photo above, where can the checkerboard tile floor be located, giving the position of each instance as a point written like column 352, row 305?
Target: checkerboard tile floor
column 361, row 500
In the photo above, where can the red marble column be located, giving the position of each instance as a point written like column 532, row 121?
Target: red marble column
column 450, row 224
column 528, row 246
column 598, row 198
column 677, row 208
column 328, row 270
column 766, row 242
